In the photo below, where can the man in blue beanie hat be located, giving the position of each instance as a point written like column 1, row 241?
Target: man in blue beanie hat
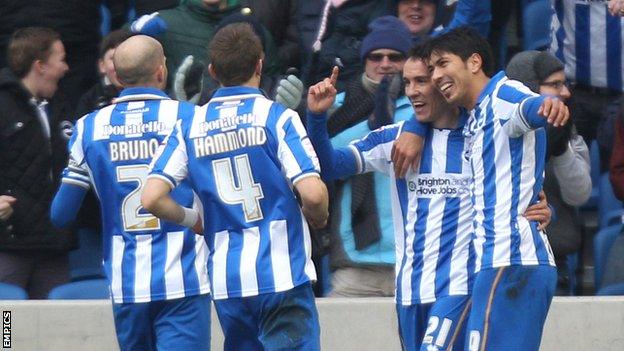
column 362, row 251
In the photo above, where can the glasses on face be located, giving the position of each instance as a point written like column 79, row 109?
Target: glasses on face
column 557, row 84
column 393, row 57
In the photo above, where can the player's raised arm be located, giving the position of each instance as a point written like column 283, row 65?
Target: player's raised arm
column 535, row 112
column 335, row 163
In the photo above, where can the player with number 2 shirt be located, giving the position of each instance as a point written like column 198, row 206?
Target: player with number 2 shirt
column 156, row 269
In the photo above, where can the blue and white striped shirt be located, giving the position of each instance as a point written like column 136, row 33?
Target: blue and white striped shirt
column 145, row 259
column 243, row 154
column 589, row 41
column 431, row 208
column 507, row 155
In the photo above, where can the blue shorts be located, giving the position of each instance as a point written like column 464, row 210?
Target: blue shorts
column 509, row 307
column 434, row 326
column 286, row 320
column 180, row 324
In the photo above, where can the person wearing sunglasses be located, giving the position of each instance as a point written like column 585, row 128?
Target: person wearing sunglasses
column 567, row 183
column 361, row 232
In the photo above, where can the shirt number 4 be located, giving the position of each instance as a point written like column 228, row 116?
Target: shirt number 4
column 247, row 193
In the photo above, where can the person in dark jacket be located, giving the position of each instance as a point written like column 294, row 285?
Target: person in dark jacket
column 102, row 93
column 33, row 254
column 145, row 7
column 280, row 19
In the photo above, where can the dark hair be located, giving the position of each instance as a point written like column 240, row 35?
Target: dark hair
column 419, row 52
column 234, row 52
column 113, row 39
column 463, row 42
column 28, row 45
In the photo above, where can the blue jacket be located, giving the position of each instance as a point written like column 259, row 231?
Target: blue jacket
column 381, row 252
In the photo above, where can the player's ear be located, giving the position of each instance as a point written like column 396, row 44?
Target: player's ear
column 212, row 72
column 475, row 63
column 161, row 75
column 259, row 65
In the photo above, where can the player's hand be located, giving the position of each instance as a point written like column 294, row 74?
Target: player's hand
column 616, row 7
column 198, row 228
column 555, row 111
column 406, row 152
column 321, row 96
column 6, row 206
column 540, row 212
column 314, row 220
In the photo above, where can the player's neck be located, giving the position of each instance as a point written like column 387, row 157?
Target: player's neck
column 449, row 116
column 477, row 84
column 253, row 82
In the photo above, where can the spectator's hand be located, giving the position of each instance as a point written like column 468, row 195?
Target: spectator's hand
column 555, row 111
column 151, row 25
column 616, row 7
column 6, row 206
column 289, row 92
column 540, row 212
column 180, row 81
column 558, row 139
column 321, row 96
column 406, row 152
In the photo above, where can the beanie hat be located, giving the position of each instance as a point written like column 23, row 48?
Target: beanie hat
column 386, row 32
column 533, row 67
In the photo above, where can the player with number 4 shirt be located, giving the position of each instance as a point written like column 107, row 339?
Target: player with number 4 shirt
column 243, row 155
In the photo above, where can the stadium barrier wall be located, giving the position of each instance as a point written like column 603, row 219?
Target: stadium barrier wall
column 574, row 323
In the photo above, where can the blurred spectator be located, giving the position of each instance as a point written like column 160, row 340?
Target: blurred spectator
column 279, row 18
column 77, row 22
column 338, row 29
column 428, row 17
column 588, row 39
column 145, row 7
column 342, row 26
column 191, row 26
column 193, row 83
column 33, row 150
column 567, row 182
column 108, row 87
column 362, row 250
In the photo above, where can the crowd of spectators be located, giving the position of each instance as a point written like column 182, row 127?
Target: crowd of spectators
column 57, row 66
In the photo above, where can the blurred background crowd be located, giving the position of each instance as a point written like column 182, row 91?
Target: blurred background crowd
column 570, row 49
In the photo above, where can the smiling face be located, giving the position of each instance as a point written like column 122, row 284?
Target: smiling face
column 452, row 76
column 418, row 15
column 53, row 69
column 419, row 88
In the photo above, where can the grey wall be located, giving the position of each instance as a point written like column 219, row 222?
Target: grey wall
column 583, row 323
